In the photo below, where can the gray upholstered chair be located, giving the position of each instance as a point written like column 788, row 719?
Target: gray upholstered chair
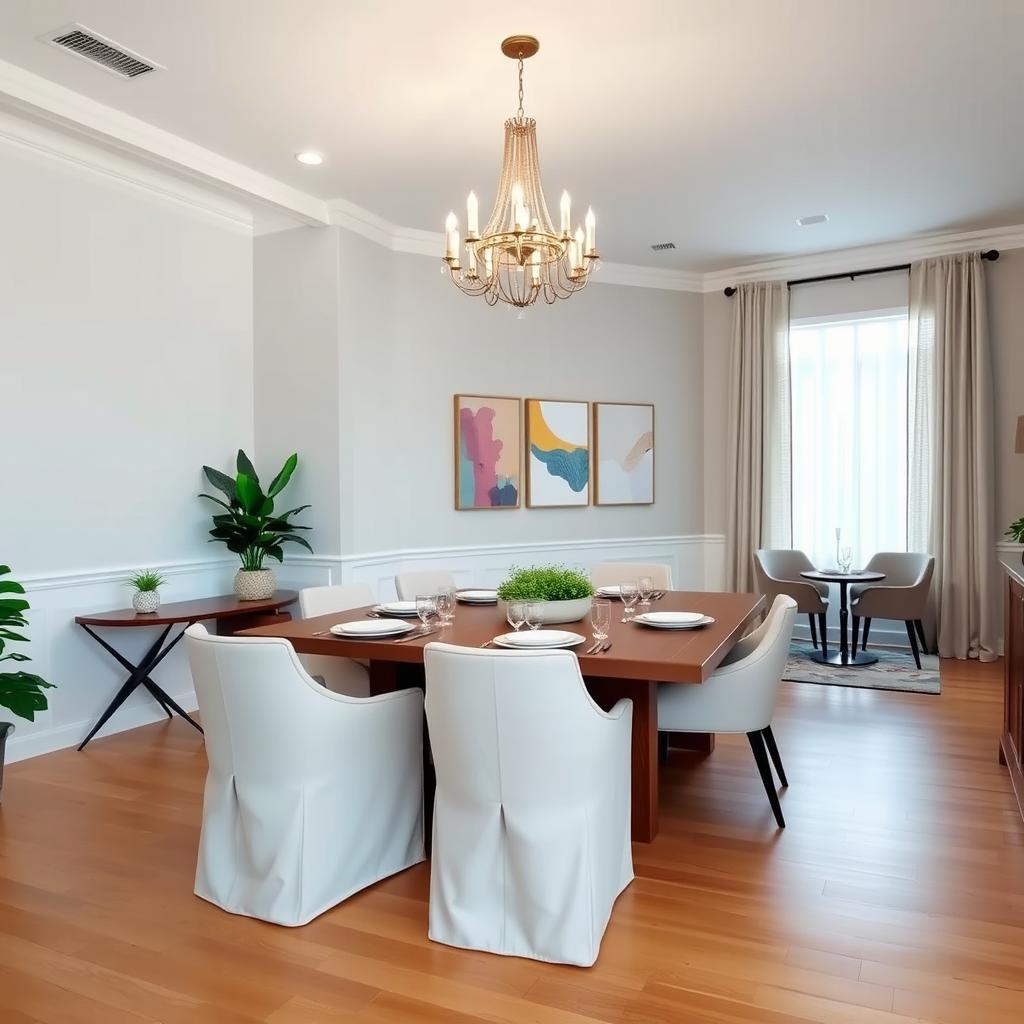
column 778, row 572
column 903, row 594
column 428, row 581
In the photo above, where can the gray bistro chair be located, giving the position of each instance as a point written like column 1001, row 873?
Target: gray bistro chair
column 903, row 594
column 777, row 571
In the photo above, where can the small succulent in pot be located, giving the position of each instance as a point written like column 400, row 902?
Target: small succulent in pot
column 146, row 584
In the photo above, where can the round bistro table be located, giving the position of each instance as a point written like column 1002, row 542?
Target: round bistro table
column 844, row 658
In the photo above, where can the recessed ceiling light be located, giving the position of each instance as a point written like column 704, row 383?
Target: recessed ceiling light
column 816, row 218
column 310, row 157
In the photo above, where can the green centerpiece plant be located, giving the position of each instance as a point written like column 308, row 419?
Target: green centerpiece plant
column 1016, row 533
column 564, row 594
column 251, row 527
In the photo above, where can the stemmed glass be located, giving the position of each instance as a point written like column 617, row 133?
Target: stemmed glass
column 531, row 614
column 445, row 598
column 646, row 587
column 515, row 612
column 845, row 559
column 600, row 619
column 629, row 595
column 426, row 609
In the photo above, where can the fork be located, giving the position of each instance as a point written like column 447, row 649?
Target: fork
column 606, row 646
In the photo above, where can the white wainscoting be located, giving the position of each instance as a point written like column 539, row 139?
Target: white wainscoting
column 87, row 677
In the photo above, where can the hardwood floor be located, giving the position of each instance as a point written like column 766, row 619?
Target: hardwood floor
column 895, row 894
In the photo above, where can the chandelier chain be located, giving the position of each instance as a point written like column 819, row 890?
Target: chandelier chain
column 519, row 112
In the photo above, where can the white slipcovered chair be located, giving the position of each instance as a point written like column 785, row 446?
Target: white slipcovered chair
column 531, row 835
column 777, row 571
column 740, row 696
column 409, row 585
column 310, row 795
column 611, row 574
column 342, row 675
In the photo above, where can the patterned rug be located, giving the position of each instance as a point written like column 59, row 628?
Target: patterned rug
column 894, row 670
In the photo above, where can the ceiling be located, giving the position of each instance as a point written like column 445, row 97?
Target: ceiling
column 713, row 125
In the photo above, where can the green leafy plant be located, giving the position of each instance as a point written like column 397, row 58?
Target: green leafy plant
column 20, row 692
column 146, row 580
column 1016, row 531
column 545, row 583
column 249, row 526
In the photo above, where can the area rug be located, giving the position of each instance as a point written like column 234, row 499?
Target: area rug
column 894, row 670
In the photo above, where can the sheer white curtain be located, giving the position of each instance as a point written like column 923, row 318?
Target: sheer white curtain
column 849, row 402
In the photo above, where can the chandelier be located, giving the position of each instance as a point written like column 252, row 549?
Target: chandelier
column 519, row 257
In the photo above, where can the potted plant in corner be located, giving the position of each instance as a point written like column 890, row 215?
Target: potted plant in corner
column 146, row 584
column 564, row 595
column 1016, row 533
column 250, row 527
column 20, row 692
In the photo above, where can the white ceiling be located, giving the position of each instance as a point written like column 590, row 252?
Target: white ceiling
column 712, row 124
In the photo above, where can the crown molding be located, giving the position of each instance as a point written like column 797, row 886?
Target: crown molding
column 23, row 92
column 867, row 256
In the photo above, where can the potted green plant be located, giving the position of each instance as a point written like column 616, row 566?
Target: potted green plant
column 249, row 525
column 1016, row 533
column 564, row 595
column 146, row 584
column 20, row 692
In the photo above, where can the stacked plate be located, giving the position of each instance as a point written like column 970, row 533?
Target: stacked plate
column 613, row 590
column 674, row 620
column 401, row 609
column 371, row 629
column 539, row 639
column 477, row 596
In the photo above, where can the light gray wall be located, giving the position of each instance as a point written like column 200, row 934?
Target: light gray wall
column 717, row 325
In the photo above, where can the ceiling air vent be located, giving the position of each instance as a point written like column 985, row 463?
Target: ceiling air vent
column 97, row 49
column 662, row 246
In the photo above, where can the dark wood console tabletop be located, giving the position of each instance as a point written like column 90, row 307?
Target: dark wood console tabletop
column 229, row 613
column 1011, row 740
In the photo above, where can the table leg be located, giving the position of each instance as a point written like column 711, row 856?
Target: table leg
column 844, row 617
column 644, row 760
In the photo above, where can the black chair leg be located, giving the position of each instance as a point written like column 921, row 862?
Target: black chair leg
column 761, row 759
column 913, row 643
column 856, row 633
column 814, row 630
column 823, row 634
column 867, row 629
column 773, row 750
column 920, row 632
column 662, row 747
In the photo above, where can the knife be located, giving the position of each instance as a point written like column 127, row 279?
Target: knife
column 414, row 636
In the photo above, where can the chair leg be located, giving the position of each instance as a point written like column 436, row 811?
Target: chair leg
column 773, row 750
column 662, row 747
column 823, row 634
column 867, row 629
column 814, row 630
column 856, row 633
column 920, row 632
column 761, row 759
column 913, row 643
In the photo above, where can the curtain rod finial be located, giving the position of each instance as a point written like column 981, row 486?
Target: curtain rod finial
column 730, row 291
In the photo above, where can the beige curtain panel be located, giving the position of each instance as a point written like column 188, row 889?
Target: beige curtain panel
column 759, row 506
column 950, row 498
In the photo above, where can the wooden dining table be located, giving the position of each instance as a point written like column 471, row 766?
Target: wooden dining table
column 639, row 660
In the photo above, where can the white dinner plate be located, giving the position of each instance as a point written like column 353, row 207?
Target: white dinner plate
column 612, row 590
column 403, row 609
column 674, row 620
column 372, row 628
column 478, row 596
column 539, row 639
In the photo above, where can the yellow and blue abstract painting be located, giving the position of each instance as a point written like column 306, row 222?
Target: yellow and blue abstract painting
column 558, row 453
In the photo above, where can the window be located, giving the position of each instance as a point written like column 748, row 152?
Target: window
column 849, row 409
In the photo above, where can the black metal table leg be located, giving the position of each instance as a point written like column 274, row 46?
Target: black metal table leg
column 139, row 675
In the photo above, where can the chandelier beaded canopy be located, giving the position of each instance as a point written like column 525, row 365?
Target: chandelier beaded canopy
column 520, row 257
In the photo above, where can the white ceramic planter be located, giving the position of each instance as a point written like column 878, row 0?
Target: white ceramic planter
column 146, row 601
column 255, row 584
column 556, row 612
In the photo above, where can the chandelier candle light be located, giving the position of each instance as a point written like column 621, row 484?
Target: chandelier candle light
column 520, row 257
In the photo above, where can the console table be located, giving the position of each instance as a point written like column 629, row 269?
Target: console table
column 1011, row 744
column 229, row 613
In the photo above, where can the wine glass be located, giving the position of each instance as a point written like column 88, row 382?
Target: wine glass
column 845, row 559
column 532, row 614
column 445, row 598
column 426, row 608
column 629, row 595
column 601, row 618
column 646, row 587
column 515, row 612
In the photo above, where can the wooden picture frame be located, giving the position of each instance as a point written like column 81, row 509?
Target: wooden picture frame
column 624, row 453
column 557, row 453
column 487, row 449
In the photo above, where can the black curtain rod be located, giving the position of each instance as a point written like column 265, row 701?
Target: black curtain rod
column 989, row 254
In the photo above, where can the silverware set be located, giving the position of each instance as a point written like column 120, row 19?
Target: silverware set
column 599, row 648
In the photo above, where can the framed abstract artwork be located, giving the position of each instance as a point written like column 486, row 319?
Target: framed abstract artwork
column 488, row 452
column 623, row 453
column 557, row 453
